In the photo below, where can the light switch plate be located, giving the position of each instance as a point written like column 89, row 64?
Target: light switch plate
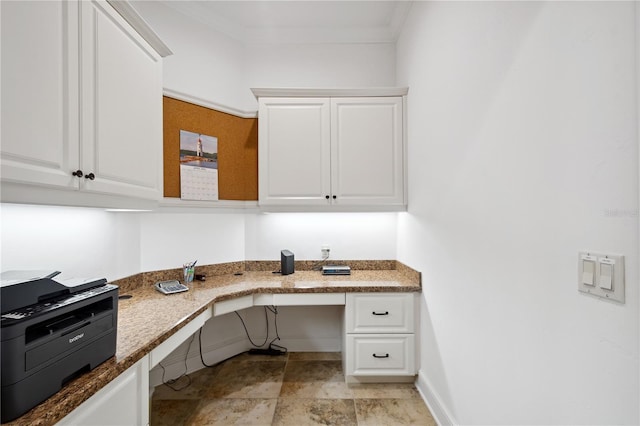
column 611, row 275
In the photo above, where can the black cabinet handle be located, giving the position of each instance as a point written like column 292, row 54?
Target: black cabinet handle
column 90, row 176
column 380, row 313
column 335, row 196
column 327, row 197
column 381, row 356
column 77, row 173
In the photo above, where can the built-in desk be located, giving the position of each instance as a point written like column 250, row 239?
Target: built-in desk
column 151, row 325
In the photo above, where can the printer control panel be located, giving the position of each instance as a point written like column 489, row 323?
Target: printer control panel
column 40, row 308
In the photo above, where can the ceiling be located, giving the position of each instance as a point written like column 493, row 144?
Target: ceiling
column 300, row 21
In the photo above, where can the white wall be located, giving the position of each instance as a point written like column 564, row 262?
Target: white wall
column 168, row 240
column 350, row 236
column 205, row 63
column 79, row 242
column 91, row 242
column 212, row 66
column 523, row 150
column 320, row 65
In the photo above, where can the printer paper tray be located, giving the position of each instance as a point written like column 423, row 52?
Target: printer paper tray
column 67, row 342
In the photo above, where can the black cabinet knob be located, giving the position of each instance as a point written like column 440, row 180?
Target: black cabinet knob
column 90, row 176
column 335, row 196
column 77, row 173
column 327, row 197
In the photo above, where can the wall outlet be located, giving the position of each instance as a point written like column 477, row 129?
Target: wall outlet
column 325, row 250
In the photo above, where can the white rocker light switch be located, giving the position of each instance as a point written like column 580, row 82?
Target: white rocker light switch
column 605, row 280
column 601, row 275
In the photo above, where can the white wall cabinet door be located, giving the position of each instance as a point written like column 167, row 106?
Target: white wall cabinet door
column 40, row 93
column 81, row 103
column 366, row 151
column 294, row 151
column 121, row 105
column 324, row 151
column 124, row 401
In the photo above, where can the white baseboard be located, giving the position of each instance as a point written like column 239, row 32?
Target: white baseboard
column 327, row 344
column 174, row 365
column 438, row 409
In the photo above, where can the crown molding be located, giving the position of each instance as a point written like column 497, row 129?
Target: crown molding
column 292, row 92
column 141, row 26
column 209, row 104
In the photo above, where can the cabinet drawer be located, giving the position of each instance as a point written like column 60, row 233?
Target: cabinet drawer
column 380, row 313
column 369, row 355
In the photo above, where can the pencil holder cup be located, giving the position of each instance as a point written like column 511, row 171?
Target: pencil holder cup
column 188, row 273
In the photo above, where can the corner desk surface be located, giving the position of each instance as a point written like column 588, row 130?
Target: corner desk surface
column 149, row 318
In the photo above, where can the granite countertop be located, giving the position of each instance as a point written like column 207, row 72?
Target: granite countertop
column 148, row 318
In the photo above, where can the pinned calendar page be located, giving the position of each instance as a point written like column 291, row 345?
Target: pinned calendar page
column 198, row 166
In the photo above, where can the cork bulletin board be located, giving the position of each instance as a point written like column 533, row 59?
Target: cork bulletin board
column 237, row 148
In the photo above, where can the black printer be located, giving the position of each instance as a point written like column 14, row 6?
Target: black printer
column 51, row 332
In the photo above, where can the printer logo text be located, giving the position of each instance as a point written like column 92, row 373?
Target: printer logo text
column 78, row 337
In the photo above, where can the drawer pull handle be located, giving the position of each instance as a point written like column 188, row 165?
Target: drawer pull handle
column 380, row 313
column 381, row 356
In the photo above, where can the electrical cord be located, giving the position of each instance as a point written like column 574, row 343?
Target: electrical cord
column 170, row 383
column 200, row 345
column 318, row 265
column 272, row 345
column 247, row 331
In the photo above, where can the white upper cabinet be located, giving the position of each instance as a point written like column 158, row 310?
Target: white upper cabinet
column 121, row 105
column 336, row 152
column 40, row 93
column 294, row 151
column 366, row 151
column 81, row 103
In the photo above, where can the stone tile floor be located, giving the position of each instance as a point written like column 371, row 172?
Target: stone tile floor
column 299, row 388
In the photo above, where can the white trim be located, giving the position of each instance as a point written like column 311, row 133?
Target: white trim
column 141, row 26
column 333, row 208
column 176, row 205
column 293, row 92
column 209, row 104
column 438, row 409
column 637, row 65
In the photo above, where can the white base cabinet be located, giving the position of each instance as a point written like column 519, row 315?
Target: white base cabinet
column 81, row 101
column 379, row 340
column 380, row 355
column 124, row 401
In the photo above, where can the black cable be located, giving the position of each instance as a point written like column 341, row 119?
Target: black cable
column 247, row 331
column 201, row 356
column 272, row 345
column 170, row 382
column 200, row 344
column 274, row 309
